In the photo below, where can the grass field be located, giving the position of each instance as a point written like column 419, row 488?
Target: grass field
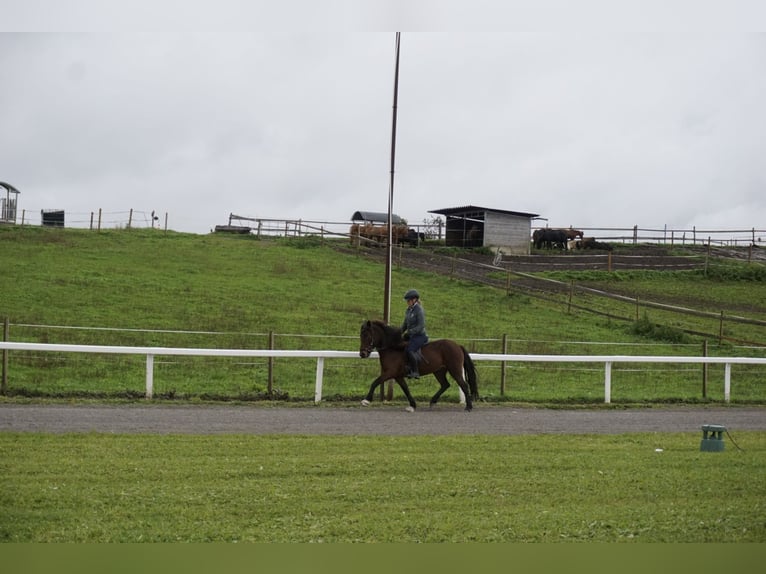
column 149, row 288
column 117, row 488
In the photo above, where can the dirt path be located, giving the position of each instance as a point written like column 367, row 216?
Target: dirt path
column 375, row 420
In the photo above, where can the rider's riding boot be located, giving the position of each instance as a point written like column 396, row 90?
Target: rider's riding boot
column 412, row 359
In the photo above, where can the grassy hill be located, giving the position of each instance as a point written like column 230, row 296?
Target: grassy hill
column 148, row 287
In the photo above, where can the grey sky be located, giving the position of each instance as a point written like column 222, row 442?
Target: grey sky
column 597, row 129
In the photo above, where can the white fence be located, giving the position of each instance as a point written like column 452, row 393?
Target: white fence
column 607, row 360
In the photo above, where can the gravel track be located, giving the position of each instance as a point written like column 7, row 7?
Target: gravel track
column 386, row 419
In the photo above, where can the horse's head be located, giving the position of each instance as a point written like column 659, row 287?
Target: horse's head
column 367, row 341
column 377, row 335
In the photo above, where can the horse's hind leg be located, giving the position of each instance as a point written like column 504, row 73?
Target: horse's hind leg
column 466, row 391
column 441, row 376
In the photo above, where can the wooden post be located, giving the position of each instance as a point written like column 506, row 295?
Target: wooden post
column 99, row 219
column 130, row 218
column 571, row 289
column 91, row 221
column 270, row 384
column 720, row 330
column 4, row 381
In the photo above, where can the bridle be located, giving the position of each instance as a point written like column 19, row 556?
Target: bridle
column 367, row 347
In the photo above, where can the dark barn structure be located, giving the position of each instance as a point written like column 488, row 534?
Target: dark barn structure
column 498, row 229
column 9, row 201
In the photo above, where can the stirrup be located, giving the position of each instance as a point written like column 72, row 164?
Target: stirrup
column 413, row 375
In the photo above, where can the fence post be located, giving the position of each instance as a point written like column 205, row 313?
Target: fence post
column 318, row 384
column 270, row 383
column 4, row 381
column 504, row 351
column 608, row 382
column 149, row 376
column 704, row 370
column 727, row 382
column 720, row 330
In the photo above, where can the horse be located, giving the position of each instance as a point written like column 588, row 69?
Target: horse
column 551, row 238
column 573, row 233
column 437, row 357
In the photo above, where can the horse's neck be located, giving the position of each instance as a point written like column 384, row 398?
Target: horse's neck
column 389, row 338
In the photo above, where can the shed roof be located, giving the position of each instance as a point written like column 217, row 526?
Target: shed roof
column 376, row 217
column 9, row 187
column 475, row 211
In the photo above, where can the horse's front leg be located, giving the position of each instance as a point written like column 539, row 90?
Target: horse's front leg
column 406, row 391
column 375, row 384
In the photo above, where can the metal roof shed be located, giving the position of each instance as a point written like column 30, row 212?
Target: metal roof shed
column 376, row 217
column 8, row 204
column 474, row 226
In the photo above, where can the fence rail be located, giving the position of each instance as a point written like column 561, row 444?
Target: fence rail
column 433, row 229
column 151, row 352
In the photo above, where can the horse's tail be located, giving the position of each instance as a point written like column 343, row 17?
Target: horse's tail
column 470, row 371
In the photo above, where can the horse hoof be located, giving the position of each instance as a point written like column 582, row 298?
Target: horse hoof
column 410, row 409
column 365, row 403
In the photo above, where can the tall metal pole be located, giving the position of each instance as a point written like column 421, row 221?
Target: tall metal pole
column 389, row 241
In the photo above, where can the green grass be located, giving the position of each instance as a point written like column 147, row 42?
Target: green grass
column 236, row 291
column 119, row 488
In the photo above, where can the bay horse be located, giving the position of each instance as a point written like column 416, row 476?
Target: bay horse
column 438, row 358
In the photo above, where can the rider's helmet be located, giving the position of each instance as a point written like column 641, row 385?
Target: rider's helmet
column 411, row 294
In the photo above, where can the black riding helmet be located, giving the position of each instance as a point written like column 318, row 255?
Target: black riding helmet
column 411, row 294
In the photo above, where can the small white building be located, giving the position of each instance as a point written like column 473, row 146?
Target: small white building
column 497, row 229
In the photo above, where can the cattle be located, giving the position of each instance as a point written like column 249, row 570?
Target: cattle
column 591, row 243
column 378, row 234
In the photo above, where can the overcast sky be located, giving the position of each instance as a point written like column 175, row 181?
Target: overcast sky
column 598, row 129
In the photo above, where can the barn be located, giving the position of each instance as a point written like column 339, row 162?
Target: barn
column 375, row 217
column 498, row 229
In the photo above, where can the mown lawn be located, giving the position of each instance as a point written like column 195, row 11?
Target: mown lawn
column 118, row 488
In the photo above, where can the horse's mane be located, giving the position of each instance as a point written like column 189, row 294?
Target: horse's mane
column 392, row 335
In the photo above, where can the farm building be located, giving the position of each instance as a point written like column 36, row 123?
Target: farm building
column 8, row 203
column 375, row 217
column 472, row 226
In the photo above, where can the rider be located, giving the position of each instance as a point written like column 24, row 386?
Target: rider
column 414, row 330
